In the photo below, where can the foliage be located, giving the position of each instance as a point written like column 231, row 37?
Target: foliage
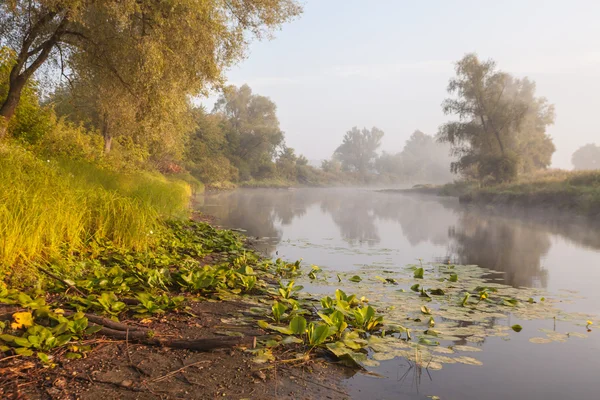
column 422, row 159
column 586, row 157
column 117, row 281
column 343, row 322
column 205, row 151
column 31, row 120
column 251, row 128
column 358, row 149
column 501, row 127
column 577, row 191
column 50, row 206
column 151, row 55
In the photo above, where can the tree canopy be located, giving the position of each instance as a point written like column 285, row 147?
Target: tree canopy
column 359, row 149
column 147, row 47
column 501, row 126
column 252, row 129
column 586, row 157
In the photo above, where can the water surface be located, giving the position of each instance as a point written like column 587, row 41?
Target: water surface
column 348, row 229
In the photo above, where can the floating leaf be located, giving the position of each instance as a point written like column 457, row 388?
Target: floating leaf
column 437, row 292
column 466, row 348
column 426, row 310
column 415, row 287
column 434, row 366
column 419, row 273
column 517, row 328
column 453, row 277
column 428, row 342
column 355, row 278
column 540, row 340
column 468, row 360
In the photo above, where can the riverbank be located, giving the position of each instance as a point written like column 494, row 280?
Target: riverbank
column 577, row 192
column 187, row 327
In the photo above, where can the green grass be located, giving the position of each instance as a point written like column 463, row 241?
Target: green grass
column 50, row 208
column 578, row 191
column 276, row 183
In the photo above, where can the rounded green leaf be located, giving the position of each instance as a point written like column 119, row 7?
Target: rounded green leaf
column 298, row 325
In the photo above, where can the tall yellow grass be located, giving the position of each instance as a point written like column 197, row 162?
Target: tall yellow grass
column 48, row 207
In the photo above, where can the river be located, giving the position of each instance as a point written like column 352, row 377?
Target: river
column 347, row 229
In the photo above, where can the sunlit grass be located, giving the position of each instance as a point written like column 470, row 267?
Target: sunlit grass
column 49, row 208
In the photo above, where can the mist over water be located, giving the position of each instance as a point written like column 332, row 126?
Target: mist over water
column 349, row 229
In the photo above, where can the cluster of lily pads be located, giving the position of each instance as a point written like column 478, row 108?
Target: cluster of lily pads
column 431, row 314
column 115, row 283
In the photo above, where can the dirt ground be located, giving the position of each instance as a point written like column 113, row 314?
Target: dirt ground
column 123, row 370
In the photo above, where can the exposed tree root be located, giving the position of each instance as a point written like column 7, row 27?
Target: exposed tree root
column 203, row 344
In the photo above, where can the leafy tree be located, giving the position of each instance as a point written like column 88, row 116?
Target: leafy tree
column 331, row 166
column 424, row 158
column 252, row 130
column 359, row 149
column 286, row 163
column 501, row 127
column 31, row 120
column 390, row 166
column 205, row 150
column 586, row 157
column 144, row 45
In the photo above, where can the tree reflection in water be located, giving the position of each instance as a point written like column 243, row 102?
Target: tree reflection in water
column 508, row 241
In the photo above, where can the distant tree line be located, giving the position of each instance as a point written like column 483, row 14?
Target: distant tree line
column 128, row 70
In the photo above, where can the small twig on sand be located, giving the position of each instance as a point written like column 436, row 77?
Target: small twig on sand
column 163, row 377
column 51, row 275
column 9, row 357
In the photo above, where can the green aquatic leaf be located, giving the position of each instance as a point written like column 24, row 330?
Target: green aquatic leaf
column 428, row 342
column 517, row 328
column 355, row 278
column 23, row 351
column 418, row 274
column 453, row 277
column 437, row 292
column 43, row 357
column 318, row 333
column 426, row 310
column 466, row 299
column 278, row 310
column 298, row 325
column 280, row 329
column 291, row 340
column 415, row 287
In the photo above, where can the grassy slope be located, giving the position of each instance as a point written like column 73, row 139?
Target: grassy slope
column 50, row 208
column 568, row 190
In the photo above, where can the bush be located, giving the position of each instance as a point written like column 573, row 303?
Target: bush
column 500, row 169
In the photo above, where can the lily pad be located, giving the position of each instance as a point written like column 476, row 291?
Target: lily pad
column 540, row 340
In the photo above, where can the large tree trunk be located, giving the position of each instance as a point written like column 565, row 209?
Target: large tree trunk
column 7, row 111
column 25, row 67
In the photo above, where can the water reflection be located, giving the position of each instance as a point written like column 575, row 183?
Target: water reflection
column 507, row 241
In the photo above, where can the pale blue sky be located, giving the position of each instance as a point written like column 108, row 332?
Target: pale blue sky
column 387, row 63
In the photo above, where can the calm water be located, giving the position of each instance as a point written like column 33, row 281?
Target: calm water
column 344, row 229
